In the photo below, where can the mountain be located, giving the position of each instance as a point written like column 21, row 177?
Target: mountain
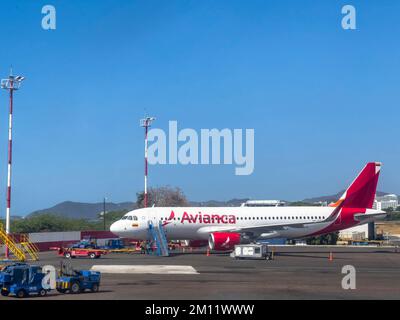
column 80, row 210
column 215, row 203
column 335, row 197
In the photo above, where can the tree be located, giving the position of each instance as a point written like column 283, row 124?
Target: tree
column 163, row 197
column 50, row 223
column 111, row 217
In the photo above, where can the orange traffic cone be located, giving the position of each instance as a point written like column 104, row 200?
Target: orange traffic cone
column 208, row 252
column 330, row 256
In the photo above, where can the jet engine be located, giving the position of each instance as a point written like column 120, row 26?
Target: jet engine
column 223, row 241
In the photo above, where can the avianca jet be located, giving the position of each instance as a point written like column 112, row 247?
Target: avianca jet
column 224, row 227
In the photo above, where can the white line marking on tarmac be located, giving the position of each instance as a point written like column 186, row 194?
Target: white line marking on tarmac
column 153, row 269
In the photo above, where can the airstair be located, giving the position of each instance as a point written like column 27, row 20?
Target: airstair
column 9, row 242
column 157, row 234
column 29, row 247
column 25, row 248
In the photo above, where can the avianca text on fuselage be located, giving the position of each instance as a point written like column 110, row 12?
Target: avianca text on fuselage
column 208, row 218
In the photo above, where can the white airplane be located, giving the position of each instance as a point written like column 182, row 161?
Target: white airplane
column 224, row 227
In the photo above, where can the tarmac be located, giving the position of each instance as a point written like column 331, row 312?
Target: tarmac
column 297, row 272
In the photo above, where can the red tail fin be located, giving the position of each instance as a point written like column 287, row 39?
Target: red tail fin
column 361, row 193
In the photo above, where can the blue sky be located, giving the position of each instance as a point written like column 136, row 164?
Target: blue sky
column 323, row 101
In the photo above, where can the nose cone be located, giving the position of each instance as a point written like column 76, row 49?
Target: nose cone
column 115, row 227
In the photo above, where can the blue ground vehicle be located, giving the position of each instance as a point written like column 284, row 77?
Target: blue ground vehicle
column 84, row 244
column 73, row 281
column 21, row 280
column 114, row 244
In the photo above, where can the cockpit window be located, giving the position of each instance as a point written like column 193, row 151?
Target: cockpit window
column 134, row 218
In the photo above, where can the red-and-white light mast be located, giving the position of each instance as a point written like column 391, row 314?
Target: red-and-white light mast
column 11, row 84
column 146, row 123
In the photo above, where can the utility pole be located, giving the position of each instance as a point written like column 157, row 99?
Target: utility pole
column 11, row 84
column 146, row 123
column 104, row 213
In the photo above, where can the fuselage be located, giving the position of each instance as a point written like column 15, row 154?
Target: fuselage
column 196, row 223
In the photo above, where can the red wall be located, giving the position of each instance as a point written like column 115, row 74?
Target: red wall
column 45, row 246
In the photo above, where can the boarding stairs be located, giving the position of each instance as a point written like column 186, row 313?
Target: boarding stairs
column 22, row 251
column 29, row 247
column 157, row 234
column 9, row 242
